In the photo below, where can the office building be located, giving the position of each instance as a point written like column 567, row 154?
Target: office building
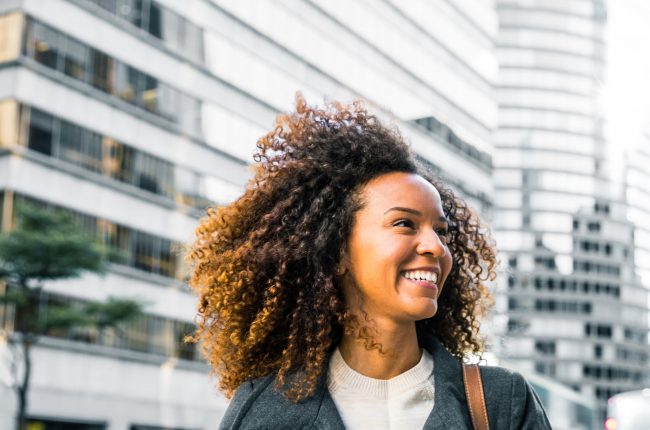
column 573, row 306
column 135, row 115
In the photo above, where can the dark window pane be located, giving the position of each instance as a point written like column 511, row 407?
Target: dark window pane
column 45, row 424
column 80, row 146
column 40, row 132
column 154, row 24
column 102, row 71
column 43, row 44
column 148, row 98
column 127, row 82
column 76, row 60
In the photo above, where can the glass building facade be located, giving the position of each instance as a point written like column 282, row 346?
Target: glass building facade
column 573, row 307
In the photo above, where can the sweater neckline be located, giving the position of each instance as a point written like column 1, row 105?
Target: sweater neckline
column 342, row 376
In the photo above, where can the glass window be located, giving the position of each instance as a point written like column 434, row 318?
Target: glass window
column 154, row 26
column 172, row 29
column 44, row 44
column 47, row 424
column 184, row 350
column 102, row 71
column 127, row 82
column 80, row 146
column 193, row 42
column 76, row 60
column 41, row 132
column 153, row 174
column 118, row 240
column 168, row 102
column 118, row 160
column 133, row 11
column 148, row 97
column 189, row 112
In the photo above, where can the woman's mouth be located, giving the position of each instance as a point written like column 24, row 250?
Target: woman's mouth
column 424, row 278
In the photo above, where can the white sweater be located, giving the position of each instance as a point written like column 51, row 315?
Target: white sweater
column 402, row 402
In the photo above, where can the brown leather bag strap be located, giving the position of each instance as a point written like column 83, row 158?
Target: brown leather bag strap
column 475, row 396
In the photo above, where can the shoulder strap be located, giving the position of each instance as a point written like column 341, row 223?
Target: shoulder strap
column 475, row 397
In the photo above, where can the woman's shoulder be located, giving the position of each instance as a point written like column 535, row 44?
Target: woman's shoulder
column 259, row 404
column 511, row 400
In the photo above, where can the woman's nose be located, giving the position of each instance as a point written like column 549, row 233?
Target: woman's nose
column 432, row 244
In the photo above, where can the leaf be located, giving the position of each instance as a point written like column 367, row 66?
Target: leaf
column 64, row 317
column 14, row 296
column 48, row 245
column 114, row 311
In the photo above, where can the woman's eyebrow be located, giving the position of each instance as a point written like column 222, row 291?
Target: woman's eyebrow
column 441, row 218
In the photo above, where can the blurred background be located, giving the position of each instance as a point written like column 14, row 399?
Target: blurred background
column 132, row 116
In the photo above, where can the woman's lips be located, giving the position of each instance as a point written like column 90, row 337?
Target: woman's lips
column 424, row 284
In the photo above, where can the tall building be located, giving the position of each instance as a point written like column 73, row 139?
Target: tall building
column 637, row 196
column 134, row 115
column 574, row 307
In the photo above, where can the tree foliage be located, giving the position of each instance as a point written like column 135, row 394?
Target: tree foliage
column 47, row 245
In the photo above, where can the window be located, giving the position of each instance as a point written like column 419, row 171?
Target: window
column 76, row 60
column 43, row 44
column 154, row 26
column 127, row 82
column 40, row 132
column 148, row 97
column 593, row 226
column 64, row 140
column 48, row 424
column 102, row 71
column 80, row 146
column 598, row 351
column 545, row 347
column 60, row 52
column 148, row 333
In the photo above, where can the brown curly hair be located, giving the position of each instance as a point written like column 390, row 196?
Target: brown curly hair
column 264, row 267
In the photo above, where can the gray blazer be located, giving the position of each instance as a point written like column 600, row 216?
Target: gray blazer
column 511, row 402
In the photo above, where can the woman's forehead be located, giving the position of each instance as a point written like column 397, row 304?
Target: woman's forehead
column 402, row 190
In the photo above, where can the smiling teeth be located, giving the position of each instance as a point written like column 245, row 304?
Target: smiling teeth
column 420, row 275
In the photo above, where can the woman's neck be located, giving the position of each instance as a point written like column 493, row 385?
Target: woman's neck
column 399, row 351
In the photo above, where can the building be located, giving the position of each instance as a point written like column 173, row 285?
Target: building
column 573, row 306
column 135, row 115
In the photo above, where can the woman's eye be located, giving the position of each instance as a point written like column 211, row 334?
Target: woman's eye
column 404, row 223
column 443, row 233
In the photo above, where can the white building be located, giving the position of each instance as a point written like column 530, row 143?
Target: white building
column 135, row 115
column 575, row 308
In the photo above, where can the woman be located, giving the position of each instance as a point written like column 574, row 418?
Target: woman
column 345, row 285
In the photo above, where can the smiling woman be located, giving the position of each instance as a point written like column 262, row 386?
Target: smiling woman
column 344, row 287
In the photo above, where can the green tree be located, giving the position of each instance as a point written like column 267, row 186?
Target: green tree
column 48, row 245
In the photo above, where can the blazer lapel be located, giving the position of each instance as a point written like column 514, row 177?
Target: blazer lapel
column 328, row 416
column 450, row 405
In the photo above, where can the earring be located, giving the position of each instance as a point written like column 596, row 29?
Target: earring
column 341, row 269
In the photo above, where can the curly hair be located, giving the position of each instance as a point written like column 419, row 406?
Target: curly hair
column 264, row 267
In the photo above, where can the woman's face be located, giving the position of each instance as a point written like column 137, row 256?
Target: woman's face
column 397, row 258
